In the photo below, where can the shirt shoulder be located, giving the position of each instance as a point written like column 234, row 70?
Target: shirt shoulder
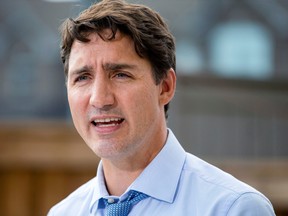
column 79, row 199
column 251, row 204
column 222, row 192
column 209, row 174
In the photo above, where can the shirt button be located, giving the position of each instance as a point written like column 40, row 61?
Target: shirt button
column 111, row 200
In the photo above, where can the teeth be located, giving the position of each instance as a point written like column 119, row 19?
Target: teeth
column 108, row 125
column 106, row 120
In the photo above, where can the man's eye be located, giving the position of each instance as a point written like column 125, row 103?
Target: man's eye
column 122, row 75
column 81, row 78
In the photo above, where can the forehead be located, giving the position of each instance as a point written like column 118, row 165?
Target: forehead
column 103, row 39
column 99, row 44
column 98, row 51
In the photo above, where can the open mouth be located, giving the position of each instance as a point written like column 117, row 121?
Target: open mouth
column 107, row 122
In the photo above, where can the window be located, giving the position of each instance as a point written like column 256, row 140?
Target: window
column 241, row 49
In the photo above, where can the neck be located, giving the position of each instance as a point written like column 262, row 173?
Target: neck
column 118, row 180
column 121, row 173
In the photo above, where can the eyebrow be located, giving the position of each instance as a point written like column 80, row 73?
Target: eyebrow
column 117, row 66
column 107, row 67
column 81, row 70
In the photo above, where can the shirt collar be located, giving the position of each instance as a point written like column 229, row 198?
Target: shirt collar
column 158, row 180
column 100, row 188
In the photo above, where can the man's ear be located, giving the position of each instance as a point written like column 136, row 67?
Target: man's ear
column 167, row 87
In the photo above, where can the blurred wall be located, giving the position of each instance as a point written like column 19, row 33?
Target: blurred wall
column 231, row 100
column 243, row 41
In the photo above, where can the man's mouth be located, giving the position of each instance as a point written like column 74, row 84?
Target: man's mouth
column 107, row 122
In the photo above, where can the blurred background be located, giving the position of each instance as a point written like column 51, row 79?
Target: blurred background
column 230, row 108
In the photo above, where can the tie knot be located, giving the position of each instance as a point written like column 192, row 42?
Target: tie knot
column 135, row 197
column 123, row 208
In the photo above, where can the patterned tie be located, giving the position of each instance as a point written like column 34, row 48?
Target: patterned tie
column 123, row 208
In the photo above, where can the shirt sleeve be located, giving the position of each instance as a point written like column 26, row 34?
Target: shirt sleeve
column 251, row 204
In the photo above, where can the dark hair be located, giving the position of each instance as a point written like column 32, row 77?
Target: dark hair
column 150, row 33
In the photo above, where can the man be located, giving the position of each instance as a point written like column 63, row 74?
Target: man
column 119, row 61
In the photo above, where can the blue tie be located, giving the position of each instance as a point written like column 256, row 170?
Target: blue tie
column 123, row 208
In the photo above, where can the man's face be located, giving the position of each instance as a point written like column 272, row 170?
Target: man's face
column 116, row 106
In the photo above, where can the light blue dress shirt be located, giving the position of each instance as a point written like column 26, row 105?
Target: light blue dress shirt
column 178, row 184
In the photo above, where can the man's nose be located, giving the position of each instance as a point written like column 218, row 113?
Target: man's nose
column 101, row 94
